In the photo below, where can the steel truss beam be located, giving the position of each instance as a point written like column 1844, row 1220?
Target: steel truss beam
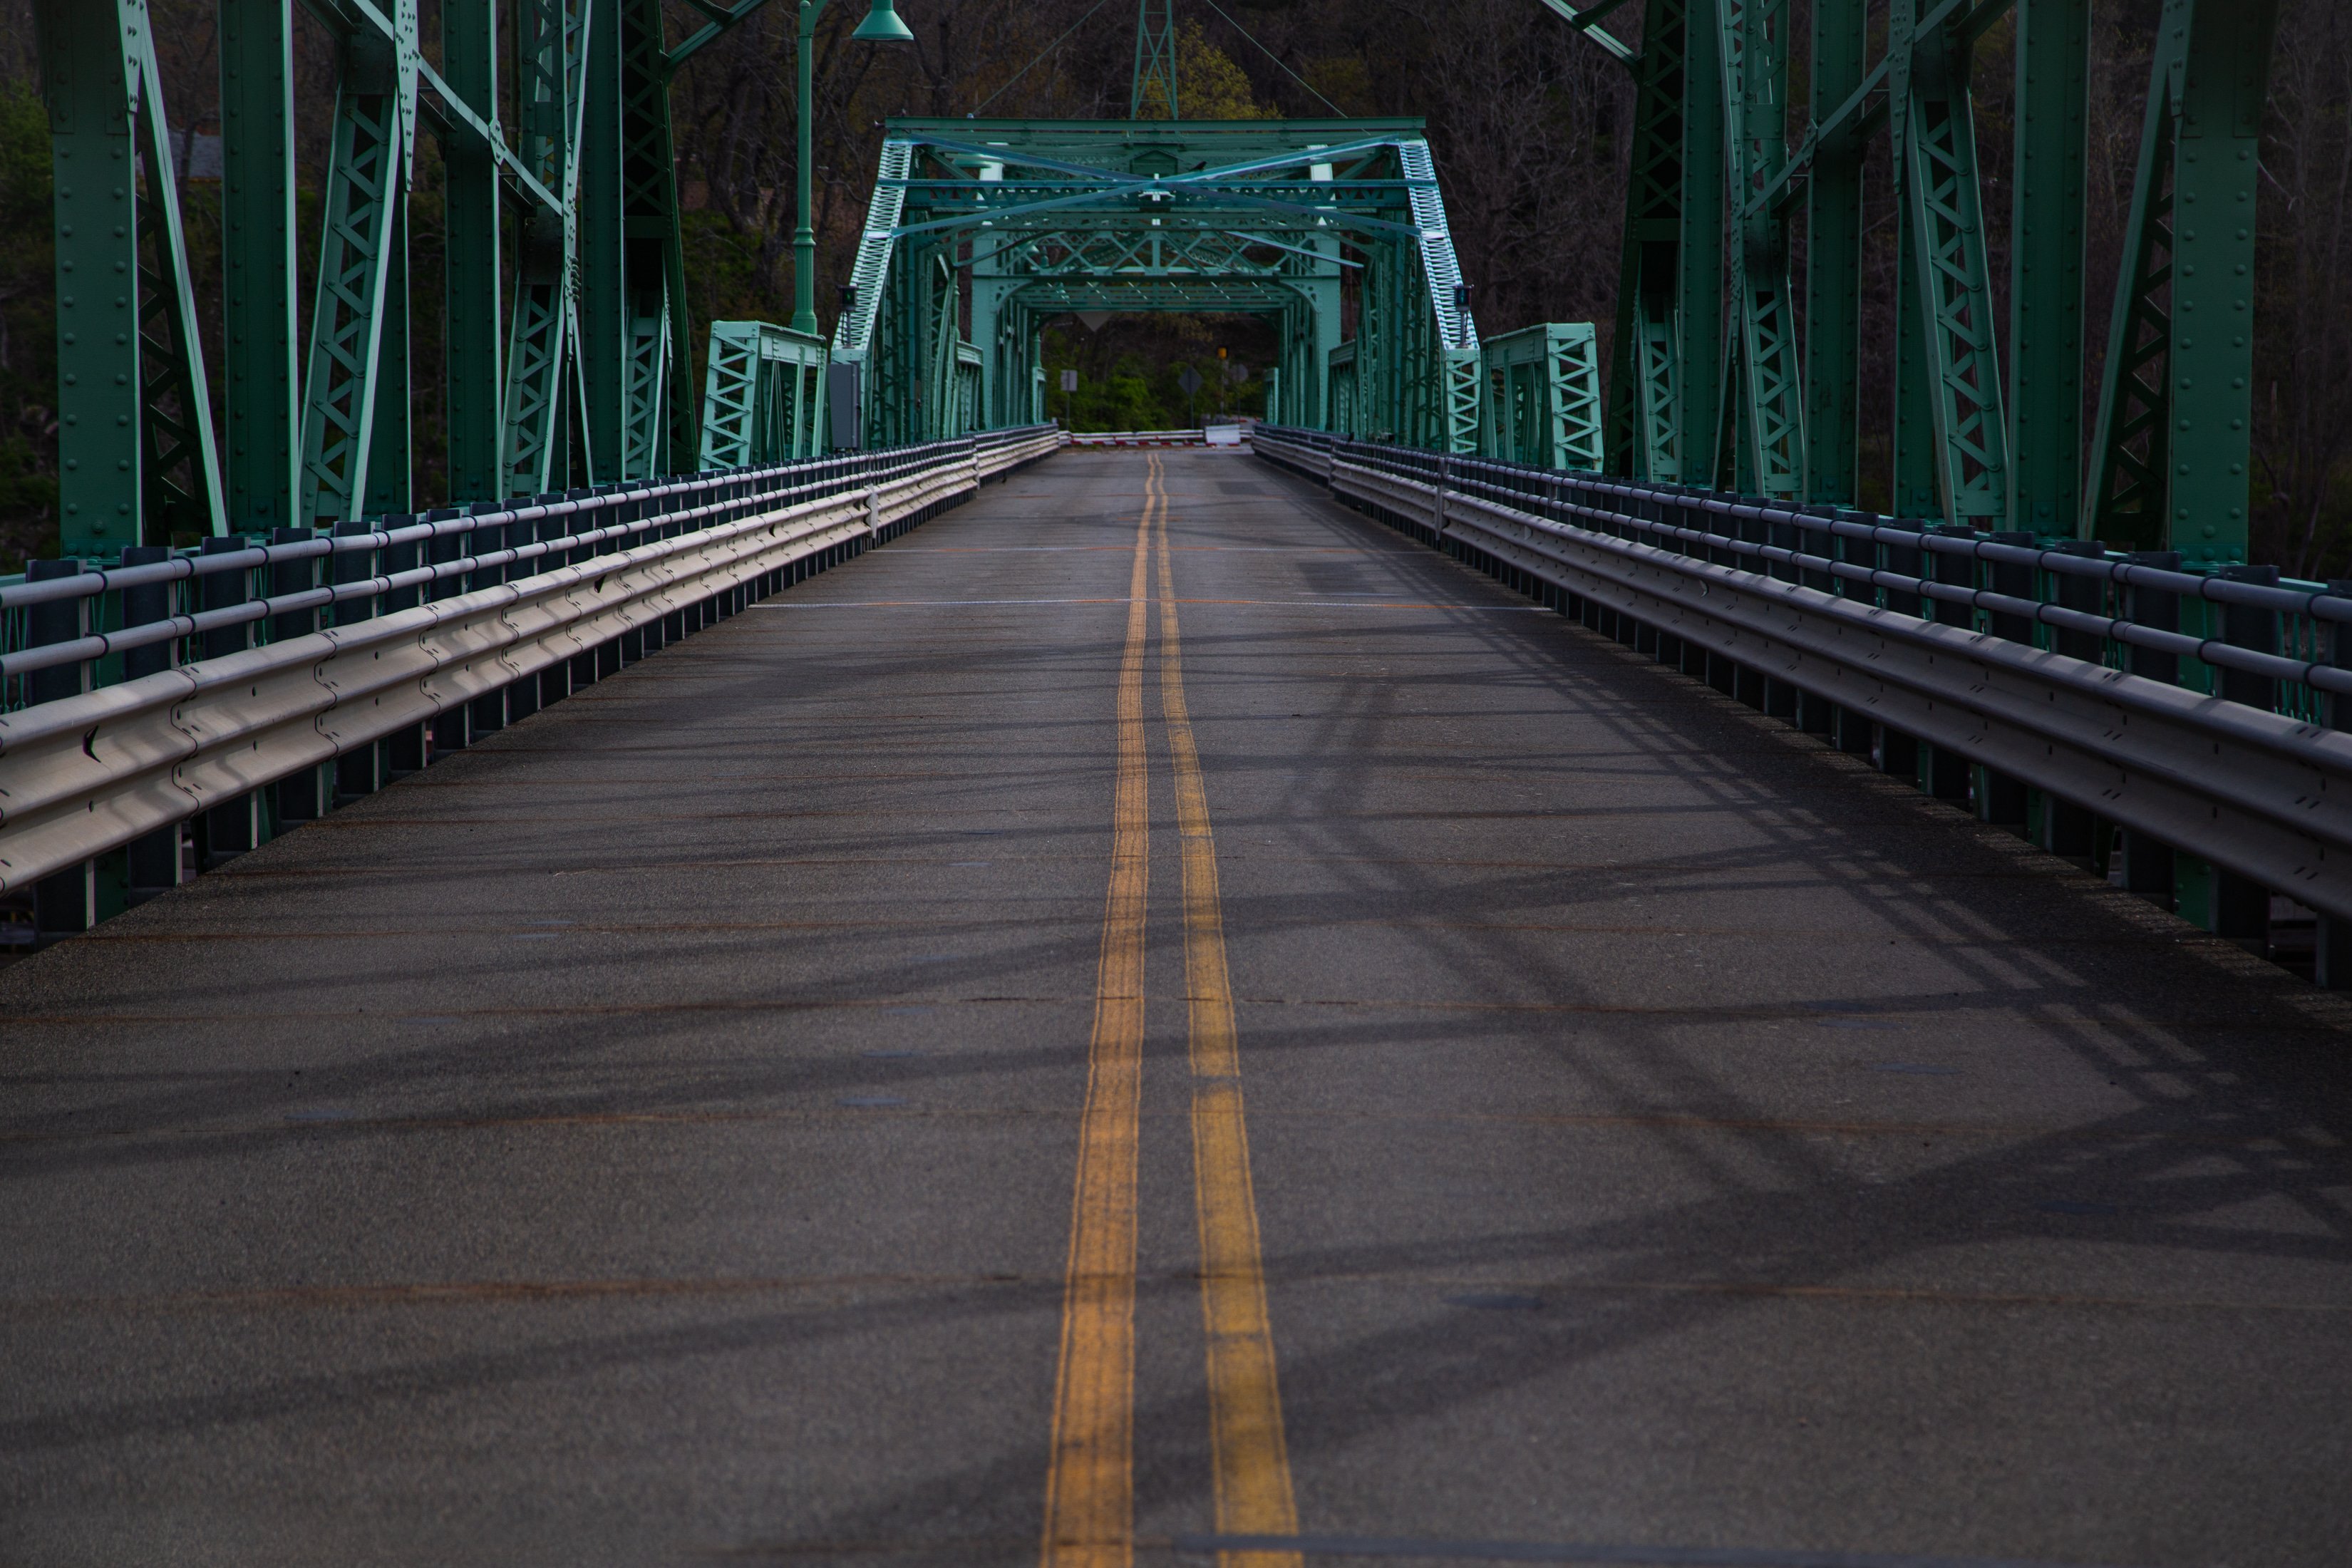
column 1713, row 184
column 578, row 376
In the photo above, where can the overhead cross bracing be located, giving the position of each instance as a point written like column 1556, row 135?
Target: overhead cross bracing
column 981, row 229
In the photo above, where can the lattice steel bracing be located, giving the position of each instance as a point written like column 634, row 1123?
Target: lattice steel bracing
column 763, row 398
column 562, row 291
column 1712, row 177
column 360, row 231
column 1543, row 396
column 1754, row 45
column 1936, row 175
column 1285, row 219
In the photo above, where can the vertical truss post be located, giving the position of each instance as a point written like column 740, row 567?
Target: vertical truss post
column 652, row 250
column 262, row 388
column 360, row 229
column 391, row 467
column 1643, row 425
column 550, row 39
column 1936, row 161
column 2172, row 452
column 1769, row 411
column 1154, row 96
column 1913, row 491
column 2045, row 293
column 601, row 288
column 90, row 76
column 134, row 425
column 1698, row 303
column 940, row 388
column 471, row 267
column 1834, row 264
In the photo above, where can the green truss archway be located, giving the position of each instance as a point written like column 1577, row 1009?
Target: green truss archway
column 1333, row 230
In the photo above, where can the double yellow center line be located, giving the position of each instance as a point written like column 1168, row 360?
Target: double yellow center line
column 1090, row 1480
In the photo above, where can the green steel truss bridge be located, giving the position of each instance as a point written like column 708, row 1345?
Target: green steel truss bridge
column 1481, row 978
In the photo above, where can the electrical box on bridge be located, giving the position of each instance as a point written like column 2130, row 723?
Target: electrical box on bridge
column 841, row 404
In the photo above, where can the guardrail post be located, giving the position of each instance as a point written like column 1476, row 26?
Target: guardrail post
column 1810, row 713
column 2000, row 799
column 62, row 904
column 2069, row 830
column 1851, row 730
column 234, row 826
column 1942, row 774
column 407, row 750
column 486, row 714
column 2148, row 863
column 452, row 729
column 300, row 798
column 152, row 863
column 2221, row 901
column 1894, row 751
column 2331, row 965
column 359, row 772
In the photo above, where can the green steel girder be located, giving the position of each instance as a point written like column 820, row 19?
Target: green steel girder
column 262, row 385
column 1755, row 66
column 939, row 356
column 2045, row 288
column 473, row 347
column 359, row 235
column 1833, row 267
column 1543, row 396
column 1643, row 421
column 2172, row 451
column 134, row 419
column 1701, row 352
column 544, row 380
column 763, row 395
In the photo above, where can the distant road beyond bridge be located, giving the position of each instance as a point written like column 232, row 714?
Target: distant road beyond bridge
column 1156, row 1020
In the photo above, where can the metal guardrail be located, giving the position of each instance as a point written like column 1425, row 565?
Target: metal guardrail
column 169, row 712
column 2058, row 687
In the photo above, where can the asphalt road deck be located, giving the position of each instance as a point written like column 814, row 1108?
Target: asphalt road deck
column 664, row 1132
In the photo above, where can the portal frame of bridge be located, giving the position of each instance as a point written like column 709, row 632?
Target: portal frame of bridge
column 981, row 230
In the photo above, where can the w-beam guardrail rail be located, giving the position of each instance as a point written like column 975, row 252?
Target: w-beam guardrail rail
column 2062, row 689
column 176, row 708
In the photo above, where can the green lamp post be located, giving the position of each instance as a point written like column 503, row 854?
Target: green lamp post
column 881, row 26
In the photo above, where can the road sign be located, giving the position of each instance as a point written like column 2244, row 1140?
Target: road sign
column 1190, row 380
column 1070, row 381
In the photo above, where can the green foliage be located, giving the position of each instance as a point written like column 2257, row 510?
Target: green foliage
column 1209, row 84
column 725, row 281
column 1129, row 375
